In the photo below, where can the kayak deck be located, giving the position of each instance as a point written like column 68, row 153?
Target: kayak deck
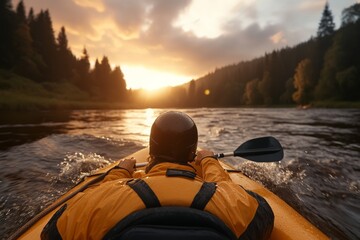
column 289, row 224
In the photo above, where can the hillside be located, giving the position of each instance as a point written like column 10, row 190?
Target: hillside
column 323, row 71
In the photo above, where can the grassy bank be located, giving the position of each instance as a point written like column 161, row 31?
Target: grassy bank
column 19, row 101
column 19, row 93
column 336, row 104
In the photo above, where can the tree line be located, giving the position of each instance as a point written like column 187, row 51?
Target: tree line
column 29, row 48
column 324, row 68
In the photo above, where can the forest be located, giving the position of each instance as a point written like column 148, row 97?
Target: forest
column 326, row 68
column 31, row 51
column 33, row 61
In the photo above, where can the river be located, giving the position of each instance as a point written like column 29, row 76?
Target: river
column 43, row 154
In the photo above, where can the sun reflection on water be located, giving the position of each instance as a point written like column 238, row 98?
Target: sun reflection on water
column 150, row 116
column 137, row 124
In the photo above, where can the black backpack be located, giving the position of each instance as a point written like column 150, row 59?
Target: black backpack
column 171, row 223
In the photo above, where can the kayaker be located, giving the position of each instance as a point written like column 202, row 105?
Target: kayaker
column 177, row 175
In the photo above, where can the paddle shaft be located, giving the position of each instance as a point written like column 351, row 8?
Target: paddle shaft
column 141, row 164
column 221, row 155
column 264, row 149
column 218, row 155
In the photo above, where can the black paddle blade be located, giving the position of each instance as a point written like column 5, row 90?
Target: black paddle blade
column 264, row 149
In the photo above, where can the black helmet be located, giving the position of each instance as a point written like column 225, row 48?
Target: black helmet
column 174, row 137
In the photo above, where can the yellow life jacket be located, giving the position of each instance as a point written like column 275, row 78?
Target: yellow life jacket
column 92, row 213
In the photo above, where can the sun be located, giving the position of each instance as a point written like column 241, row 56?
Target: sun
column 138, row 77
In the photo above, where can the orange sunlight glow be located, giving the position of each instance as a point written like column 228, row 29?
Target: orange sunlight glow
column 138, row 77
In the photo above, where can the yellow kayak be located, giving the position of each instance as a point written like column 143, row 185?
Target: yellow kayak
column 289, row 224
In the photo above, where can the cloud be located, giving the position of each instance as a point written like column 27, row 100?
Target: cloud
column 177, row 50
column 97, row 5
column 128, row 15
column 311, row 5
column 142, row 33
column 278, row 38
column 147, row 33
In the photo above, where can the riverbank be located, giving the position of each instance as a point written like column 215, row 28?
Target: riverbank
column 18, row 94
column 14, row 101
column 21, row 94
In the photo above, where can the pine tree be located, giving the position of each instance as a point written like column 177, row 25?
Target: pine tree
column 44, row 43
column 95, row 79
column 7, row 28
column 340, row 75
column 252, row 95
column 105, row 68
column 191, row 97
column 83, row 71
column 25, row 57
column 105, row 83
column 62, row 40
column 20, row 12
column 117, row 85
column 65, row 60
column 350, row 14
column 96, row 73
column 286, row 97
column 31, row 16
column 326, row 25
column 349, row 84
column 265, row 87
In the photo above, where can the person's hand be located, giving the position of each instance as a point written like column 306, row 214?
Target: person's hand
column 201, row 154
column 128, row 164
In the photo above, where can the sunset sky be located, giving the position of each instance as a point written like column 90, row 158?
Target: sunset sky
column 169, row 42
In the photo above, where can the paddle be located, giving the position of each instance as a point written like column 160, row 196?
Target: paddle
column 263, row 149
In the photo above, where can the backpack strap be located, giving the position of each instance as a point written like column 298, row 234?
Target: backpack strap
column 204, row 195
column 144, row 192
column 150, row 200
